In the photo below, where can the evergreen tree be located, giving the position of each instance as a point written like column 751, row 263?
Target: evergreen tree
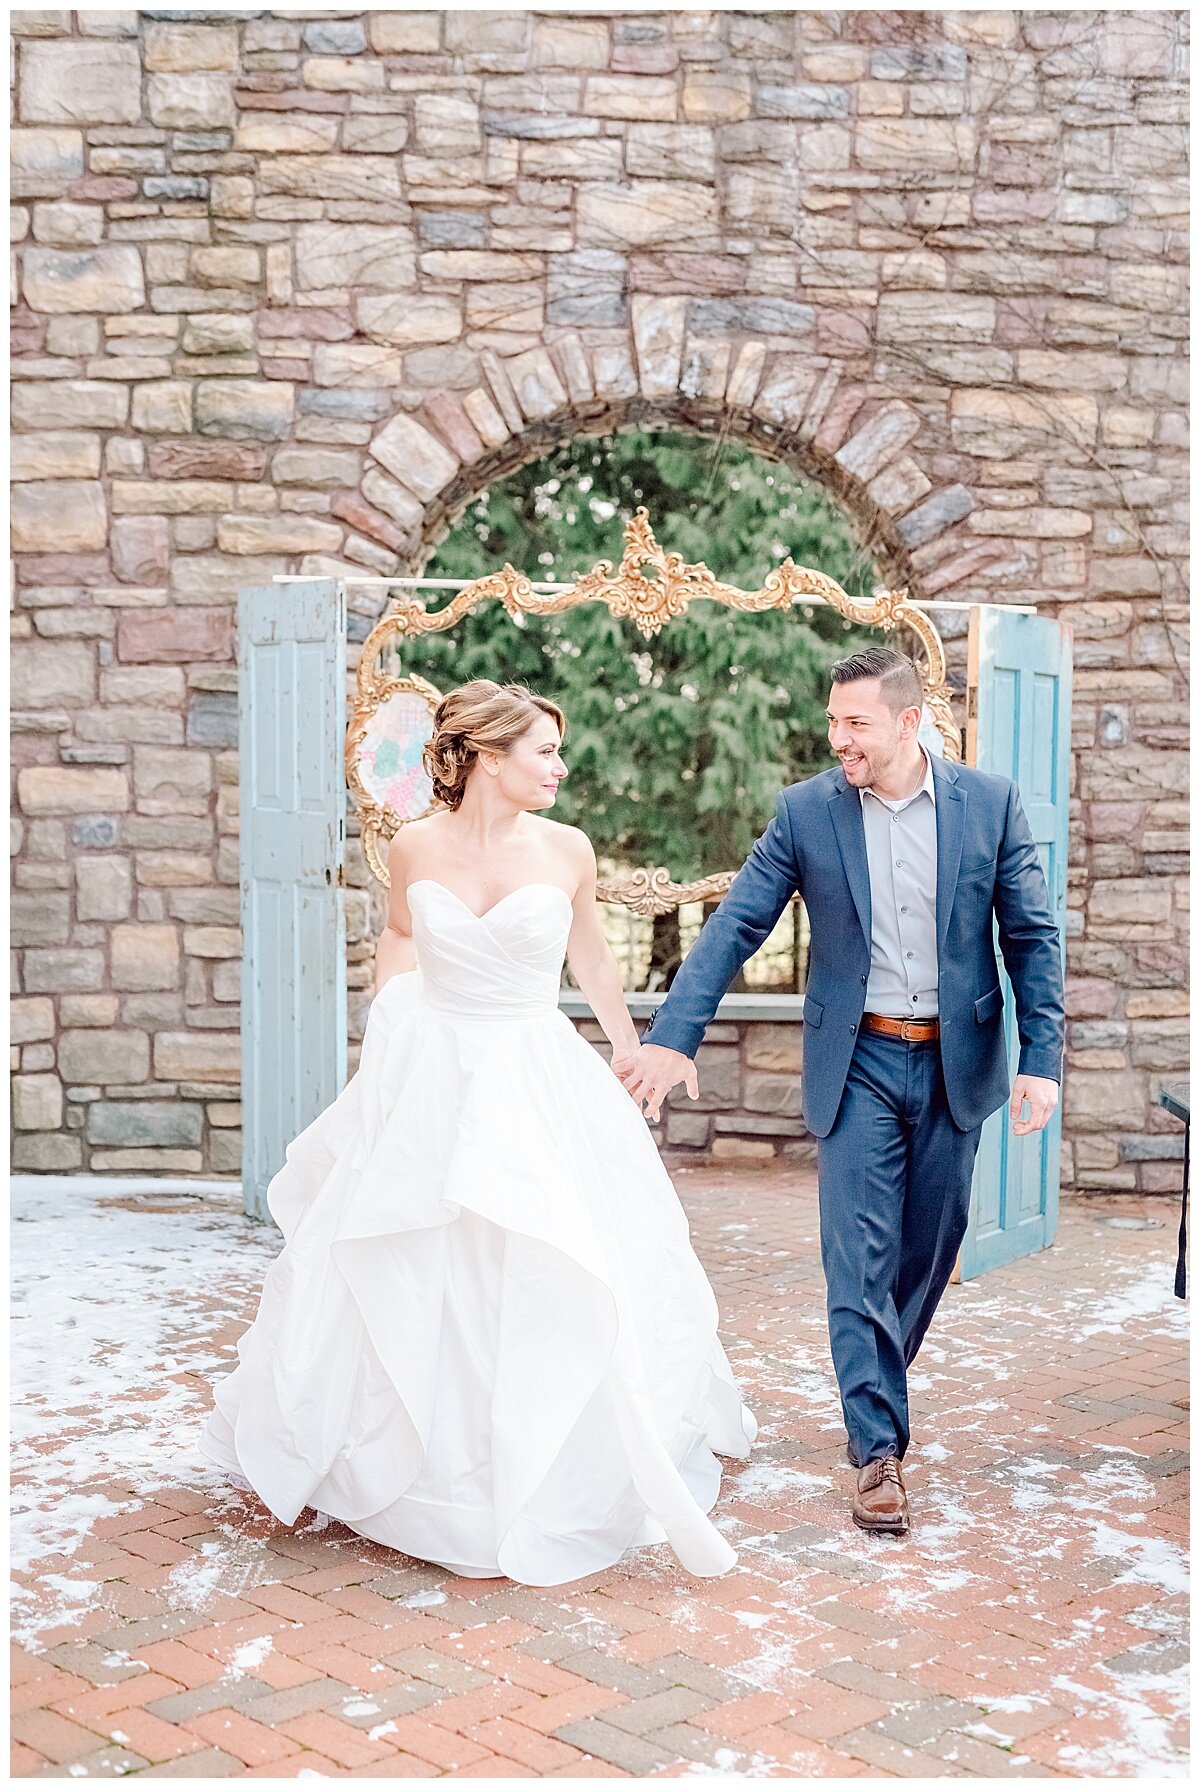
column 677, row 746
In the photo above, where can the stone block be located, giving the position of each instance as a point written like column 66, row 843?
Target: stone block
column 174, row 636
column 717, row 95
column 446, row 124
column 37, row 1102
column 719, row 1070
column 634, row 97
column 106, row 278
column 375, row 257
column 39, row 917
column 570, row 43
column 49, row 788
column 63, row 971
column 409, row 320
column 658, row 327
column 45, row 1152
column 277, row 534
column 80, row 83
column 898, row 486
column 935, row 515
column 317, row 468
column 1104, row 1099
column 30, row 1021
column 936, row 316
column 163, row 407
column 357, row 365
column 898, row 146
column 44, row 161
column 687, row 1129
column 69, row 403
column 536, row 384
column 64, row 515
column 144, row 957
column 167, row 772
column 287, row 133
column 178, row 48
column 812, row 101
column 58, row 673
column 244, row 409
column 1007, row 424
column 646, row 213
column 145, row 1123
column 750, row 1152
column 63, row 224
column 200, row 1056
column 774, row 1048
column 141, row 546
column 417, row 458
column 226, row 267
column 103, row 887
column 190, row 101
column 55, row 454
column 405, row 33
column 870, row 448
column 104, row 1058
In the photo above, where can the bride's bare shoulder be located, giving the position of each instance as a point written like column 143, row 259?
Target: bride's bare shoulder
column 570, row 843
column 410, row 838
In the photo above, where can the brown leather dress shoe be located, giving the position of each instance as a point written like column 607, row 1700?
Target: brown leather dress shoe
column 880, row 1500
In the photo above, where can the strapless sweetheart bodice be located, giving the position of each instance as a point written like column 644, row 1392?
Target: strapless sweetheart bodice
column 505, row 963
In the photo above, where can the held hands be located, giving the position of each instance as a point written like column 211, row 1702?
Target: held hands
column 649, row 1072
column 1042, row 1096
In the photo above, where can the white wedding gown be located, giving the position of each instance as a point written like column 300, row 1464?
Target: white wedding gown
column 487, row 1341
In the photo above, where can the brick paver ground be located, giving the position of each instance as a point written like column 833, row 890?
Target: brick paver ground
column 1033, row 1624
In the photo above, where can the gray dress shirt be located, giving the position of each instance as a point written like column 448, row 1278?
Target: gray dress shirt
column 902, row 859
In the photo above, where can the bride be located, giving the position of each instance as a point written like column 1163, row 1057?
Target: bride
column 487, row 1341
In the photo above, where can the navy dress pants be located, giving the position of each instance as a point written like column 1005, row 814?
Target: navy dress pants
column 895, row 1190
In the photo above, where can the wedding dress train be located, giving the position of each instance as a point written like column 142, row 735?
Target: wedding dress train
column 487, row 1341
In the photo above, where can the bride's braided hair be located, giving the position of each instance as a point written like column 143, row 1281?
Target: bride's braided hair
column 479, row 716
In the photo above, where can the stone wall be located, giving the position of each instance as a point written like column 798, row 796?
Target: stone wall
column 289, row 290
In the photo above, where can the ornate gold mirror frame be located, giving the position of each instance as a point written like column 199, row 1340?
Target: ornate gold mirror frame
column 649, row 587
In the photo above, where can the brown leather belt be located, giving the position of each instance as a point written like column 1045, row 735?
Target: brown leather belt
column 913, row 1030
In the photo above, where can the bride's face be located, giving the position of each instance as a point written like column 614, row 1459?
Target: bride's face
column 529, row 772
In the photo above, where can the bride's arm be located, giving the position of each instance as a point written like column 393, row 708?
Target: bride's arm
column 592, row 962
column 395, row 951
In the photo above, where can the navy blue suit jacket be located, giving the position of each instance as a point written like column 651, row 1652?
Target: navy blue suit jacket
column 987, row 863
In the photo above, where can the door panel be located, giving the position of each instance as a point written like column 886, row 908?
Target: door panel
column 291, row 701
column 1019, row 725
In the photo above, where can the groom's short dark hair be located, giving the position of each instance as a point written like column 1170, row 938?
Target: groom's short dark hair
column 899, row 683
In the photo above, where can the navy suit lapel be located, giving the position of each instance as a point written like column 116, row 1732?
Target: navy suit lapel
column 845, row 810
column 950, row 806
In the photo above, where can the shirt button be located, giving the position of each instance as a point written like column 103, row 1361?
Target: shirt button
column 899, row 864
column 908, row 953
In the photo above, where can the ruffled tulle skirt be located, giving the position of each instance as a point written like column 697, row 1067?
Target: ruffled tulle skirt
column 487, row 1341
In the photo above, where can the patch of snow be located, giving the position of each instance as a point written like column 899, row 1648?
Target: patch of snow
column 249, row 1655
column 1152, row 1560
column 111, row 1340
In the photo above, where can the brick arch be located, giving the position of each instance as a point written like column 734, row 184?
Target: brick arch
column 425, row 466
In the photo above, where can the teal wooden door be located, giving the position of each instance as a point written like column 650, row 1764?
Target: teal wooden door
column 291, row 711
column 1019, row 725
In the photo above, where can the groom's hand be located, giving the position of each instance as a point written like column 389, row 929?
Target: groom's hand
column 655, row 1071
column 1042, row 1096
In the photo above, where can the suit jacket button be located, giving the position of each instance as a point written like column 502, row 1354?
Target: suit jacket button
column 853, row 1028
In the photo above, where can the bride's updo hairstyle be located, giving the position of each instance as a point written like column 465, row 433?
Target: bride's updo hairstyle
column 479, row 716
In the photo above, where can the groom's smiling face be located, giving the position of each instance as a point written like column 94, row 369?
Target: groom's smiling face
column 864, row 734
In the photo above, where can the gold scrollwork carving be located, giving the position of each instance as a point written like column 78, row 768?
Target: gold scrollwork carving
column 649, row 587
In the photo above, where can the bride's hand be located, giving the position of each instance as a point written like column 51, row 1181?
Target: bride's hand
column 624, row 1064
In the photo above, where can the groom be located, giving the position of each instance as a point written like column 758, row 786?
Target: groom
column 902, row 859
